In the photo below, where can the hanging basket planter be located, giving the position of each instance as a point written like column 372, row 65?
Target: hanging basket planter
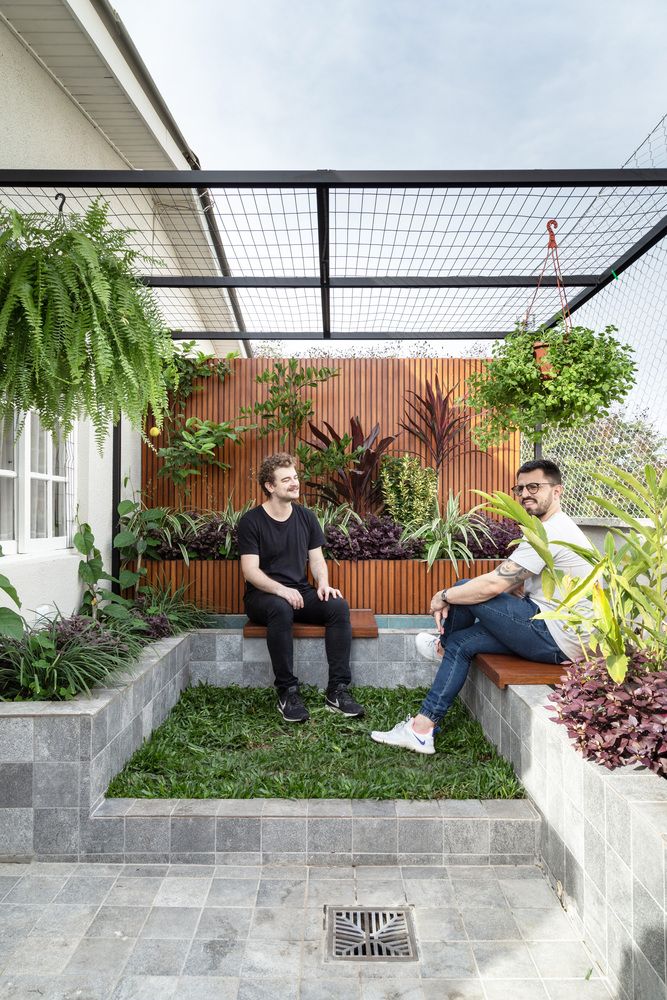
column 80, row 334
column 585, row 374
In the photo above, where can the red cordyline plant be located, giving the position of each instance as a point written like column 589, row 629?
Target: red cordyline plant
column 358, row 484
column 442, row 426
column 615, row 724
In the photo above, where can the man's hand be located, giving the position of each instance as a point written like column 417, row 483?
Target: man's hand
column 324, row 592
column 439, row 609
column 293, row 597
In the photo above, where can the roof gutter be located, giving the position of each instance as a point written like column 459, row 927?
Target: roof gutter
column 119, row 33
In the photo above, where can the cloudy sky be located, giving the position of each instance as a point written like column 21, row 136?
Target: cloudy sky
column 401, row 84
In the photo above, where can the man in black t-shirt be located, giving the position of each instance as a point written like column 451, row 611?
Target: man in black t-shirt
column 275, row 541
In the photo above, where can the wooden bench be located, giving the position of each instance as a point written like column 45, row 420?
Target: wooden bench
column 364, row 626
column 503, row 670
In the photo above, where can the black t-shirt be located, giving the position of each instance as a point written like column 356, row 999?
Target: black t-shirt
column 282, row 546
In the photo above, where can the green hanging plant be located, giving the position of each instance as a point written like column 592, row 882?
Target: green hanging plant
column 580, row 374
column 80, row 334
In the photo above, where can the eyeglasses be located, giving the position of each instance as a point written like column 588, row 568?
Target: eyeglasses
column 531, row 488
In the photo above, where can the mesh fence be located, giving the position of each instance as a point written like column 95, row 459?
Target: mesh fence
column 635, row 433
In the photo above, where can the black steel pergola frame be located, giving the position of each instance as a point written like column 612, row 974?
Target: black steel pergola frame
column 323, row 181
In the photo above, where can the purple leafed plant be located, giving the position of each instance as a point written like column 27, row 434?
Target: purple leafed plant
column 498, row 545
column 435, row 419
column 375, row 538
column 615, row 724
column 86, row 630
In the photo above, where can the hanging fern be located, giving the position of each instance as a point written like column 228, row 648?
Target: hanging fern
column 80, row 335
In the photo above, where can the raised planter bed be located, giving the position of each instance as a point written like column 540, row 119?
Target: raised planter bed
column 389, row 587
column 604, row 834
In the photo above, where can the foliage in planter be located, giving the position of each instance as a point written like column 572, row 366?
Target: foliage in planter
column 209, row 535
column 194, row 446
column 450, row 535
column 357, row 484
column 143, row 530
column 497, row 544
column 374, row 538
column 80, row 335
column 56, row 662
column 588, row 372
column 615, row 724
column 339, row 516
column 409, row 491
column 627, row 581
column 164, row 612
column 285, row 408
column 441, row 424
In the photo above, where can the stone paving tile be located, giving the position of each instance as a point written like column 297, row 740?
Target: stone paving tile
column 35, row 889
column 207, row 988
column 148, row 932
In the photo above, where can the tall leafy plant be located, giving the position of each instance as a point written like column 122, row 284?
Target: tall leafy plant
column 358, row 484
column 409, row 490
column 627, row 581
column 80, row 334
column 439, row 422
column 286, row 409
column 195, row 446
column 449, row 535
column 11, row 624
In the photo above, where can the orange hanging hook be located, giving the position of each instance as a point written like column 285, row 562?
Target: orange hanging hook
column 551, row 225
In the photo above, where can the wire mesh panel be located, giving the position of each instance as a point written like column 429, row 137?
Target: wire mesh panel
column 636, row 432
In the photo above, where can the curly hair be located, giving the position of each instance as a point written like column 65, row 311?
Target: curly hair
column 281, row 460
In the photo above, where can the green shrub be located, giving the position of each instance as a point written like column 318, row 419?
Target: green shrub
column 409, row 491
column 450, row 535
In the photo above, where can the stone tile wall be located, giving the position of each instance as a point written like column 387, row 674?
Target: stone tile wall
column 57, row 758
column 604, row 834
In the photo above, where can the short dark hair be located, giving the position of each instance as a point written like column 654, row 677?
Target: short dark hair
column 549, row 469
column 267, row 470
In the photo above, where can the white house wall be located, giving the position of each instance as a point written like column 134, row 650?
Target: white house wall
column 40, row 126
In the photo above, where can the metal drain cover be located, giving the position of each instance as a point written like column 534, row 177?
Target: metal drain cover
column 367, row 934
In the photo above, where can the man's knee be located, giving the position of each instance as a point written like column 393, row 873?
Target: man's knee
column 338, row 610
column 279, row 611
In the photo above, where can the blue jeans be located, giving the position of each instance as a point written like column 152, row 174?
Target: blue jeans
column 503, row 624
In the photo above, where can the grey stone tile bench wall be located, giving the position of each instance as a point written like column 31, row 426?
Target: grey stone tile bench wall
column 56, row 761
column 603, row 836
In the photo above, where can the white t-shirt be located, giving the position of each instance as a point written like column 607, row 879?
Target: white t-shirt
column 560, row 526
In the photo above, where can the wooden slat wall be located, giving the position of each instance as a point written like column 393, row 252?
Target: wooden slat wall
column 374, row 389
column 400, row 587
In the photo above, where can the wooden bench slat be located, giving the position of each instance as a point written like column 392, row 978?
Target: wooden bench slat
column 503, row 669
column 364, row 626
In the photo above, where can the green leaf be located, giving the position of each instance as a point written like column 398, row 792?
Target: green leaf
column 126, row 578
column 127, row 507
column 617, row 666
column 6, row 586
column 124, row 539
column 11, row 624
column 118, row 611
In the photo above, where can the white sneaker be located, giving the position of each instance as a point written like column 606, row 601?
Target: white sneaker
column 426, row 644
column 403, row 735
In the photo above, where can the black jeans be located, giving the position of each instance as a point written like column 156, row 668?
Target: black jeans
column 278, row 616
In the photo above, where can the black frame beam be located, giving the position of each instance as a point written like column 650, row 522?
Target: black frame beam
column 385, row 281
column 623, row 178
column 374, row 335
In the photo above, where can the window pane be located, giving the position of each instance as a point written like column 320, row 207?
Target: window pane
column 7, row 489
column 38, row 446
column 7, row 444
column 59, row 455
column 38, row 507
column 59, row 509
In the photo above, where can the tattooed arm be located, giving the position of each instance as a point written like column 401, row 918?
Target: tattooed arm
column 506, row 577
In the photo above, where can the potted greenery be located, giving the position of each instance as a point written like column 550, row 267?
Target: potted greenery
column 80, row 333
column 573, row 378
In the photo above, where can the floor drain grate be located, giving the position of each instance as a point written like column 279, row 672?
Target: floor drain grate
column 370, row 934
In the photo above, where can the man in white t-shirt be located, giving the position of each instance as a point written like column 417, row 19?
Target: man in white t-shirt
column 494, row 613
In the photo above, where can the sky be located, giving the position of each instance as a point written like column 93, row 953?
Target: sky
column 406, row 84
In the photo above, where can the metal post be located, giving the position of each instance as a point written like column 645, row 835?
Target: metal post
column 115, row 500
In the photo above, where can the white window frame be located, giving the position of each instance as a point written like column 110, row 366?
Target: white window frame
column 24, row 477
column 10, row 547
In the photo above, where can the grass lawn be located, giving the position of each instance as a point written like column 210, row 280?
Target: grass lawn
column 232, row 743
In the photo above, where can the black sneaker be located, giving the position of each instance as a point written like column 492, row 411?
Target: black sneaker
column 340, row 700
column 291, row 707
